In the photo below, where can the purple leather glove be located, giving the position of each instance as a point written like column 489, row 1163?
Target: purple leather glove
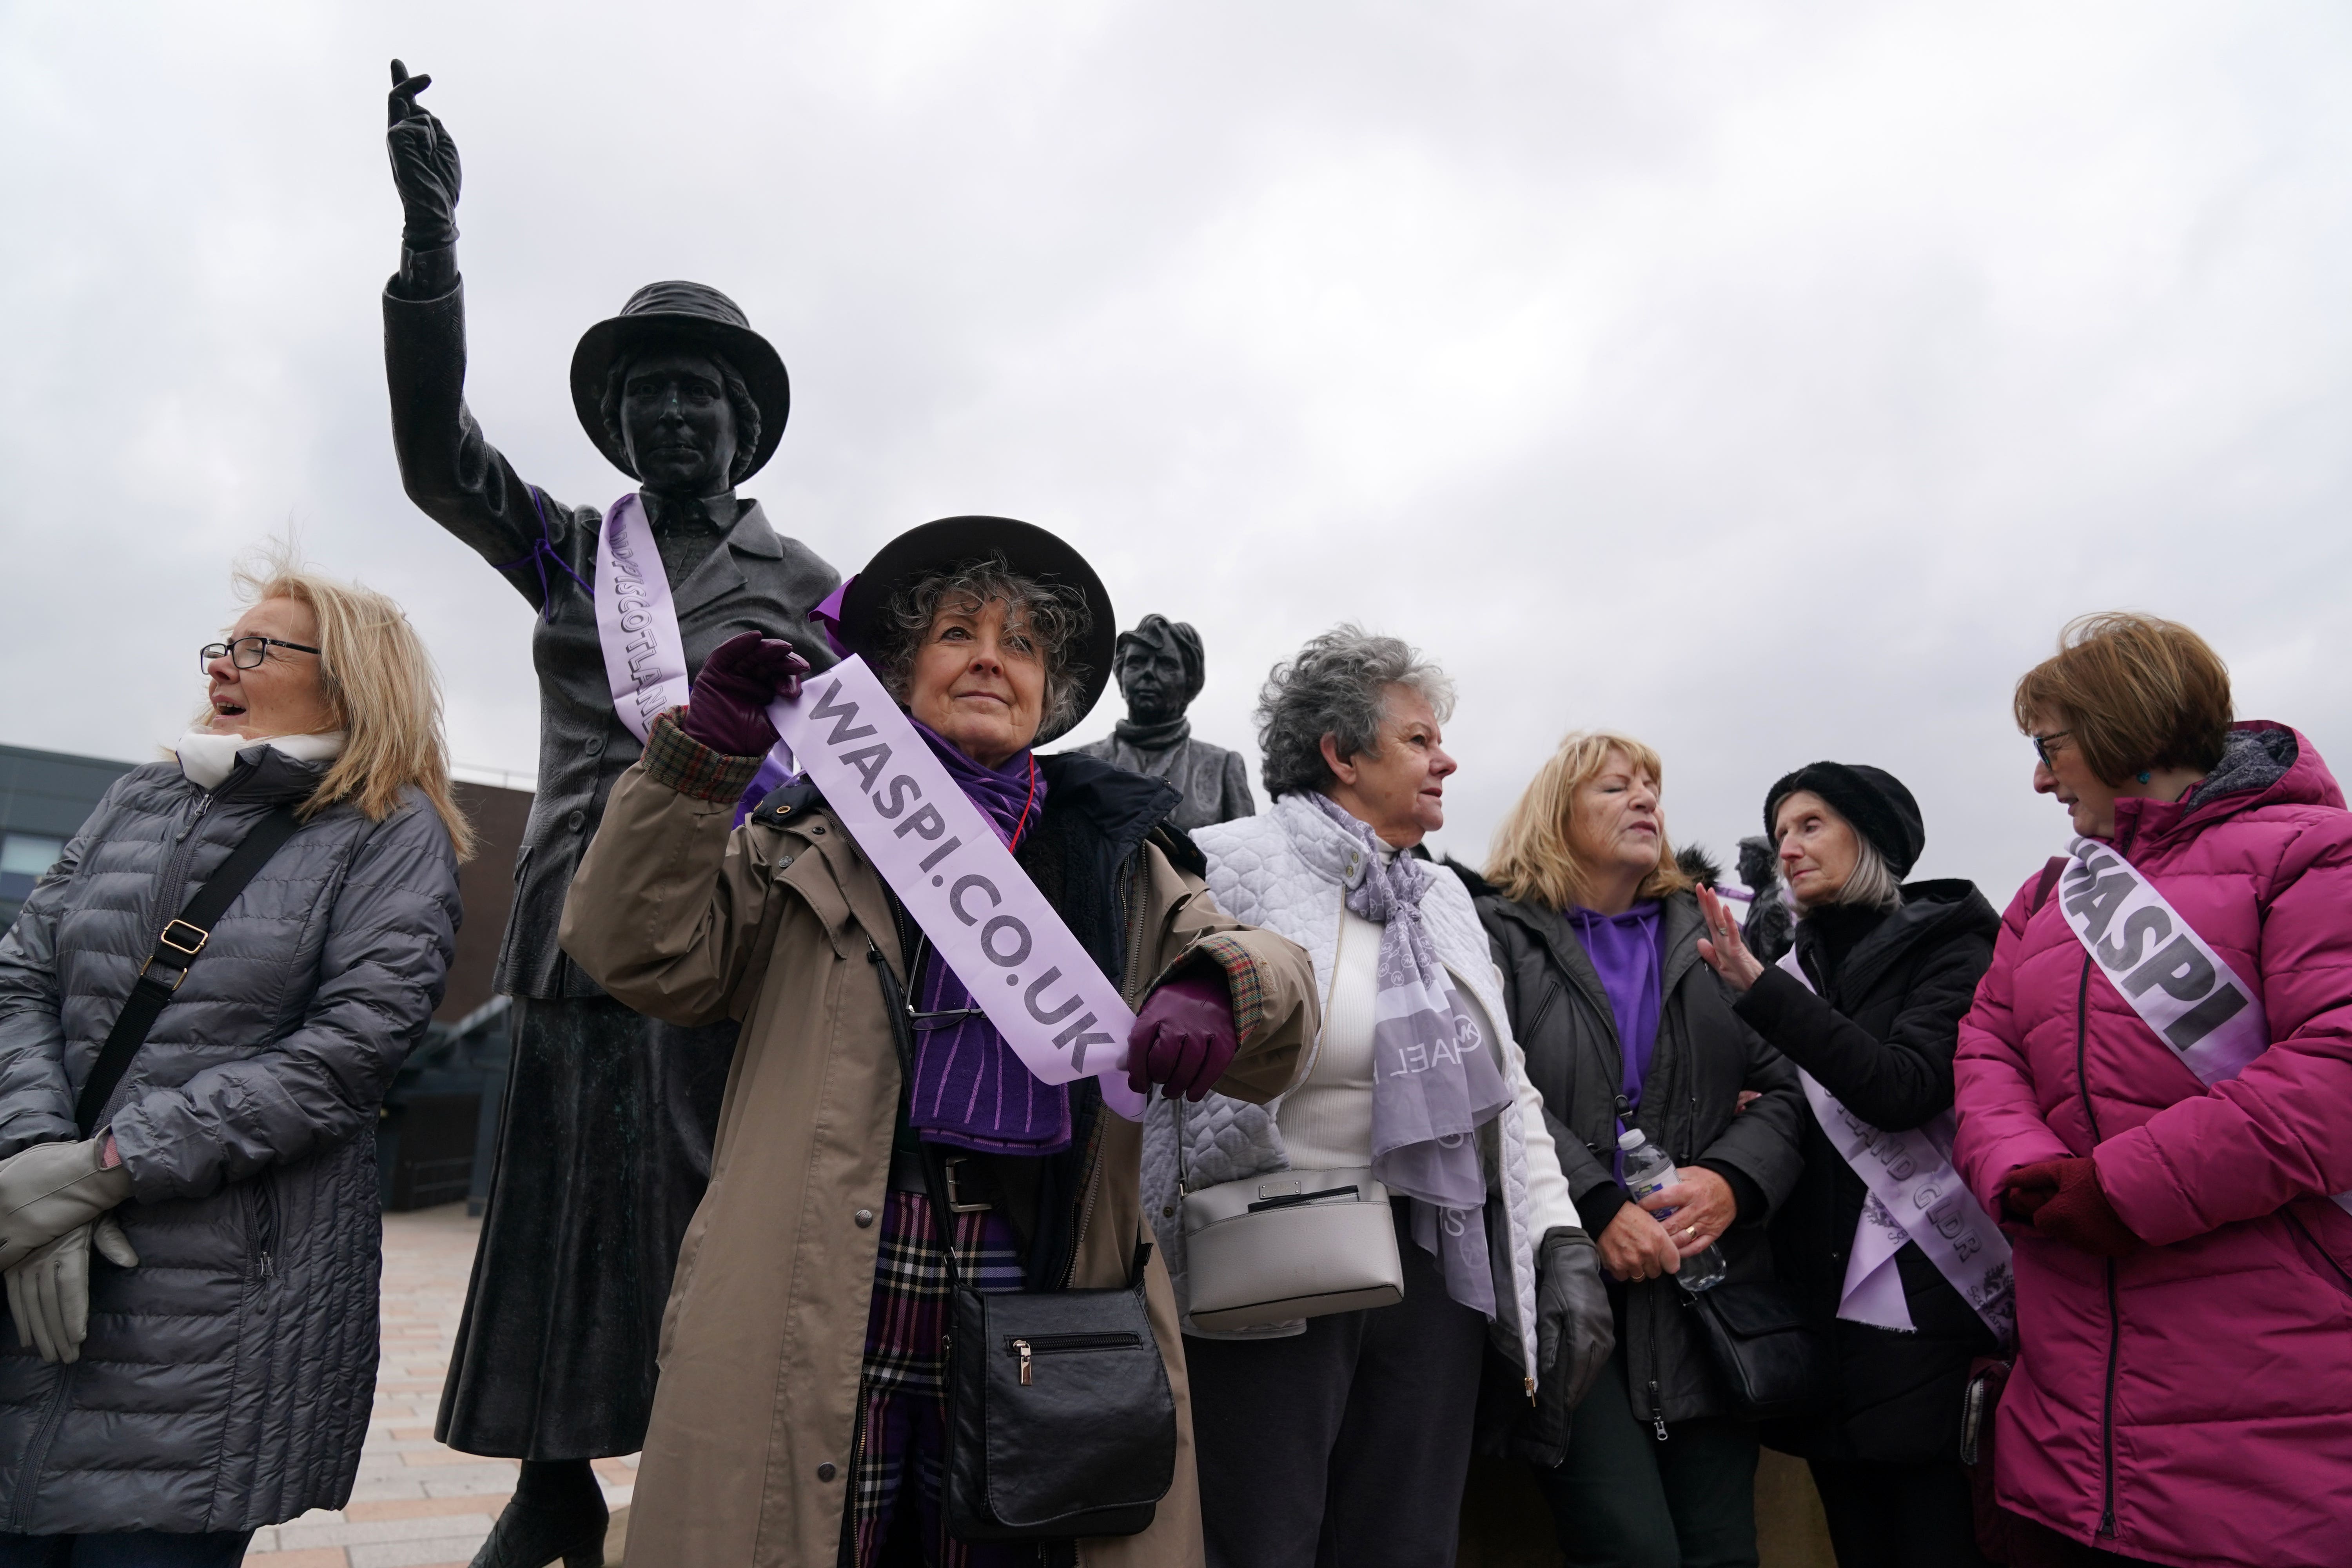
column 728, row 711
column 1184, row 1037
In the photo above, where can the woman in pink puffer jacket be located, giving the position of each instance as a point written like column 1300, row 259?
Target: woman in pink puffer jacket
column 2183, row 1389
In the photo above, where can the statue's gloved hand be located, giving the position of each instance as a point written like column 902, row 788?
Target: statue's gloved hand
column 52, row 1188
column 1184, row 1036
column 424, row 166
column 1575, row 1332
column 727, row 709
column 48, row 1293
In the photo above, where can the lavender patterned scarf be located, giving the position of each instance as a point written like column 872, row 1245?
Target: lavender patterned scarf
column 1434, row 1081
column 970, row 1091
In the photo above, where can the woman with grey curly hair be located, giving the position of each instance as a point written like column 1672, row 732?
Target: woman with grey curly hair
column 1415, row 1089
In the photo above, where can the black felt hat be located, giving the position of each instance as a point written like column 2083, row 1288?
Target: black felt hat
column 679, row 315
column 954, row 541
column 1872, row 799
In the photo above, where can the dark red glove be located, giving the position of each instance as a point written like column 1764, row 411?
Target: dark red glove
column 2064, row 1200
column 1184, row 1036
column 2025, row 1189
column 729, row 711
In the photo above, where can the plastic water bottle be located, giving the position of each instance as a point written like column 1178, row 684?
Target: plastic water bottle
column 1648, row 1171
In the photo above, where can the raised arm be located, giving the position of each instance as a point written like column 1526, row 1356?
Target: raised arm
column 453, row 475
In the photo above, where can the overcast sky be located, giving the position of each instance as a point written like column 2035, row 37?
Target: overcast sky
column 1770, row 382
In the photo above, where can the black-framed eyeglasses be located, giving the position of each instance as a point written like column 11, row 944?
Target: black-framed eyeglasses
column 246, row 653
column 2041, row 745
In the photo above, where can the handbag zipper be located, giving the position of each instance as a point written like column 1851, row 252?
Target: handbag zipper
column 1063, row 1344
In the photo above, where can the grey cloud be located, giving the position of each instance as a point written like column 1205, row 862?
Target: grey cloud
column 1772, row 385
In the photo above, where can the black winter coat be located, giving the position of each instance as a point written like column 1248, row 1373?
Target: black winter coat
column 1705, row 1056
column 1880, row 1037
column 227, row 1379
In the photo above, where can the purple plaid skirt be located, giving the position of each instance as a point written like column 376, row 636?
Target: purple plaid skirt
column 902, row 1392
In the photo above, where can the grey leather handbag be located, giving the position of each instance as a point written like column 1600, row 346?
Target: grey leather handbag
column 1286, row 1244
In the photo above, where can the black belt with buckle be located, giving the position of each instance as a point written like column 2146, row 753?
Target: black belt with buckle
column 966, row 1182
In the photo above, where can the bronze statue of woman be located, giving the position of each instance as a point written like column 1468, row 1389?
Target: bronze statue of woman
column 605, row 1137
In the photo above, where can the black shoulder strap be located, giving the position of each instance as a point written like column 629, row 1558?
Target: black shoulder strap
column 2049, row 880
column 176, row 947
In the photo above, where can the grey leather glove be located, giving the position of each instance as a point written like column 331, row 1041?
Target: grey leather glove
column 1575, row 1332
column 52, row 1188
column 48, row 1293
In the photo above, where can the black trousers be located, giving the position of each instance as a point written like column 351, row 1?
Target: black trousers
column 1623, row 1499
column 1898, row 1516
column 1346, row 1447
column 603, row 1152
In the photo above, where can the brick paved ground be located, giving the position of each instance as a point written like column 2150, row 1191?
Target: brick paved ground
column 417, row 1504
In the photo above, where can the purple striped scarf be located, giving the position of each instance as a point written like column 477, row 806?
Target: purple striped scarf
column 970, row 1091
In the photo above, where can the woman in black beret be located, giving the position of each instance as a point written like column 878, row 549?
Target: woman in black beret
column 1868, row 1005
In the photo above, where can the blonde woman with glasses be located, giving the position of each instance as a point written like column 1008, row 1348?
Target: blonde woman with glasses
column 188, row 1209
column 1626, row 1028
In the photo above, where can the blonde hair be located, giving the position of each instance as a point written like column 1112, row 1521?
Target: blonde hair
column 1534, row 858
column 376, row 675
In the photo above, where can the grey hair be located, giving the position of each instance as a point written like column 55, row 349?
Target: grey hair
column 1055, row 613
column 1336, row 685
column 1872, row 884
column 739, row 397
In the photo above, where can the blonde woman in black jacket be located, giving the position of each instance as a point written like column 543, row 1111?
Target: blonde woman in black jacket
column 1889, row 968
column 1625, row 1028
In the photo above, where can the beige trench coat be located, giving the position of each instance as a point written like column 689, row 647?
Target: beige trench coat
column 748, row 1458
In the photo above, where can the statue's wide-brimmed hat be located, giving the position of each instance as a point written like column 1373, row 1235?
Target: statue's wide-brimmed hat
column 677, row 315
column 858, row 615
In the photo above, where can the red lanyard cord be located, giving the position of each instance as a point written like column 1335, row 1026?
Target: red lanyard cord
column 1019, row 826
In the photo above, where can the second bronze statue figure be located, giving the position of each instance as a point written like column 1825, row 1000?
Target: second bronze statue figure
column 1161, row 669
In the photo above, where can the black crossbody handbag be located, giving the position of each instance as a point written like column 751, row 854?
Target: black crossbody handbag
column 1061, row 1422
column 1773, row 1363
column 176, row 947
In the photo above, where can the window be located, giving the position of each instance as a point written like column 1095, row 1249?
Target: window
column 24, row 856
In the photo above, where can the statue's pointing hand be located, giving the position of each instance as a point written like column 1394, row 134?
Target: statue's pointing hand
column 424, row 165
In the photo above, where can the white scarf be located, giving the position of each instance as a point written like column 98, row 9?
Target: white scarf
column 208, row 758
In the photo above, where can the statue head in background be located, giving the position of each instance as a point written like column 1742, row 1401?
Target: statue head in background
column 1160, row 669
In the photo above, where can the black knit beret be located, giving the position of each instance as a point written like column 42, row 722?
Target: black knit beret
column 1872, row 799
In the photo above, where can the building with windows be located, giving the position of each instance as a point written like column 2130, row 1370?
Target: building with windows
column 440, row 1118
column 43, row 797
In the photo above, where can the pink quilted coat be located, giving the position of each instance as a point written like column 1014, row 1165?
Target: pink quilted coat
column 2192, row 1403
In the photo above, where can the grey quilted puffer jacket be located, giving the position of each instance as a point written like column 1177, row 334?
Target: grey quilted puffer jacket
column 227, row 1380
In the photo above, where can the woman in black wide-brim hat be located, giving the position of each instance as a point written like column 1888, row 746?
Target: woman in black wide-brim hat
column 803, row 1408
column 604, row 1135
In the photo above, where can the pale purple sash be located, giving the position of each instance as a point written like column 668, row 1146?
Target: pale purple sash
column 637, row 622
column 2179, row 986
column 1061, row 1015
column 1915, row 1195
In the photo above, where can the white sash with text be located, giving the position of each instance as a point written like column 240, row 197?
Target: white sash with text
column 1061, row 1015
column 2180, row 987
column 1915, row 1195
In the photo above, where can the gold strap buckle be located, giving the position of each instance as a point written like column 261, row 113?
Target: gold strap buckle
column 180, row 944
